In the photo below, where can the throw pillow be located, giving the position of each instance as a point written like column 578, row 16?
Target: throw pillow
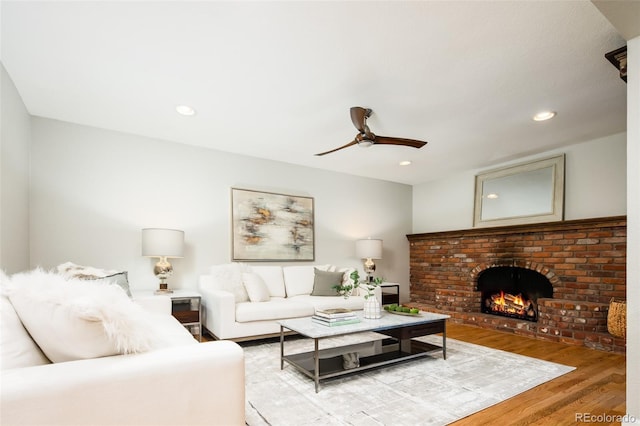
column 256, row 287
column 72, row 319
column 228, row 277
column 324, row 281
column 17, row 348
column 346, row 278
column 121, row 279
column 70, row 269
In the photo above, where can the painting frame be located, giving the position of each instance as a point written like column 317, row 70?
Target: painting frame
column 271, row 226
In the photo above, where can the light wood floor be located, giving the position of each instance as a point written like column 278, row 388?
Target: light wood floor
column 597, row 386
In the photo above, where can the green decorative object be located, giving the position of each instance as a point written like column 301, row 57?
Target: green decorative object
column 346, row 290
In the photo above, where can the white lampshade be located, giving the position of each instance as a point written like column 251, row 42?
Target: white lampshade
column 158, row 242
column 369, row 249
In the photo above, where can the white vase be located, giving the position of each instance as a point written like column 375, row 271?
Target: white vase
column 372, row 308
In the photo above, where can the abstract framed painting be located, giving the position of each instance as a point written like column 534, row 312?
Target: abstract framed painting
column 271, row 227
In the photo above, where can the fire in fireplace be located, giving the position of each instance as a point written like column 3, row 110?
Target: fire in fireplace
column 510, row 304
column 513, row 291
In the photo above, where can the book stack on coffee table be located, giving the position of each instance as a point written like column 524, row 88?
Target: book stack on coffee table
column 334, row 317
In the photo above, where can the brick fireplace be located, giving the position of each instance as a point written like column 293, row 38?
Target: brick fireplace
column 583, row 260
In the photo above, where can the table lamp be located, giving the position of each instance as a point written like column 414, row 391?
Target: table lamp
column 164, row 244
column 369, row 249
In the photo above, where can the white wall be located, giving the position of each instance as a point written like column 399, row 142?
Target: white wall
column 595, row 186
column 94, row 190
column 15, row 138
column 633, row 227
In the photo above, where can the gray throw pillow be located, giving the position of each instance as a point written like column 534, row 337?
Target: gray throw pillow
column 120, row 279
column 324, row 281
column 71, row 270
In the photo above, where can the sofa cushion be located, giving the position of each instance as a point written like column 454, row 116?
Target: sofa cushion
column 256, row 287
column 272, row 276
column 70, row 319
column 228, row 277
column 98, row 275
column 17, row 348
column 328, row 302
column 277, row 308
column 299, row 279
column 325, row 281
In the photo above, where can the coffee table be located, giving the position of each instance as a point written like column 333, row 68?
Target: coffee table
column 397, row 346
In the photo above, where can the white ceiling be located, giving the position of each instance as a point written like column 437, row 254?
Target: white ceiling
column 276, row 79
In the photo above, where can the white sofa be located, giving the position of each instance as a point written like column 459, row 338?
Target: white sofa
column 230, row 314
column 182, row 383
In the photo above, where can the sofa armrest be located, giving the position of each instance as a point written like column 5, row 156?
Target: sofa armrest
column 219, row 308
column 196, row 384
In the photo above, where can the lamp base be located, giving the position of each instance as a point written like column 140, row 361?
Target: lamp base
column 164, row 289
column 163, row 270
column 369, row 268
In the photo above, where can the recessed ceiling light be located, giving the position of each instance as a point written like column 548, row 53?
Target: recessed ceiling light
column 492, row 196
column 544, row 115
column 405, row 163
column 185, row 110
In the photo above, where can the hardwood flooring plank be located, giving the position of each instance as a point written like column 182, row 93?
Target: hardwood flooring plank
column 597, row 386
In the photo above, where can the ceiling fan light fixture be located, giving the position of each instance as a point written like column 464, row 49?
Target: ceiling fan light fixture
column 185, row 110
column 544, row 115
column 365, row 143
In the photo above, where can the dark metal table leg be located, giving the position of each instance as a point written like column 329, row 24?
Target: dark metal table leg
column 281, row 348
column 444, row 339
column 317, row 365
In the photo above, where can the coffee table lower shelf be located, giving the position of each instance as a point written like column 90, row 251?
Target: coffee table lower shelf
column 333, row 362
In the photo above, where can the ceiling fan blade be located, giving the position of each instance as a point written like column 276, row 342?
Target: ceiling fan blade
column 353, row 142
column 359, row 116
column 387, row 140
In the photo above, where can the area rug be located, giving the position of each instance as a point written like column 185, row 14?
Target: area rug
column 426, row 391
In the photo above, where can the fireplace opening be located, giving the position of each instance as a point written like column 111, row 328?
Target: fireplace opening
column 512, row 291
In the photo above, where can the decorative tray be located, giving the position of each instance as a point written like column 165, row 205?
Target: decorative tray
column 404, row 313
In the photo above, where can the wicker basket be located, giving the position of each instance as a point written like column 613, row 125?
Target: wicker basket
column 617, row 318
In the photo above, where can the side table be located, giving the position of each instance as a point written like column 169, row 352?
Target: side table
column 390, row 293
column 186, row 307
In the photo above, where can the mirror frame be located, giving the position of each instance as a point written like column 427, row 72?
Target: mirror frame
column 557, row 188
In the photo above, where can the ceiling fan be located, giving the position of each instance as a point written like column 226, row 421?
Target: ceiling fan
column 366, row 137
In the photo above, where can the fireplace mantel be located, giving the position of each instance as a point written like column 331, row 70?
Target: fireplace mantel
column 584, row 259
column 562, row 225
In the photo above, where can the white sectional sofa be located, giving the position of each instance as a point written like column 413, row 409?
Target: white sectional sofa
column 176, row 381
column 243, row 302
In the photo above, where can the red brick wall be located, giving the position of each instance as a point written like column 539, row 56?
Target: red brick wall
column 585, row 260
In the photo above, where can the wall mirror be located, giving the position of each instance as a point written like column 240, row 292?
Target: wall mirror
column 532, row 192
